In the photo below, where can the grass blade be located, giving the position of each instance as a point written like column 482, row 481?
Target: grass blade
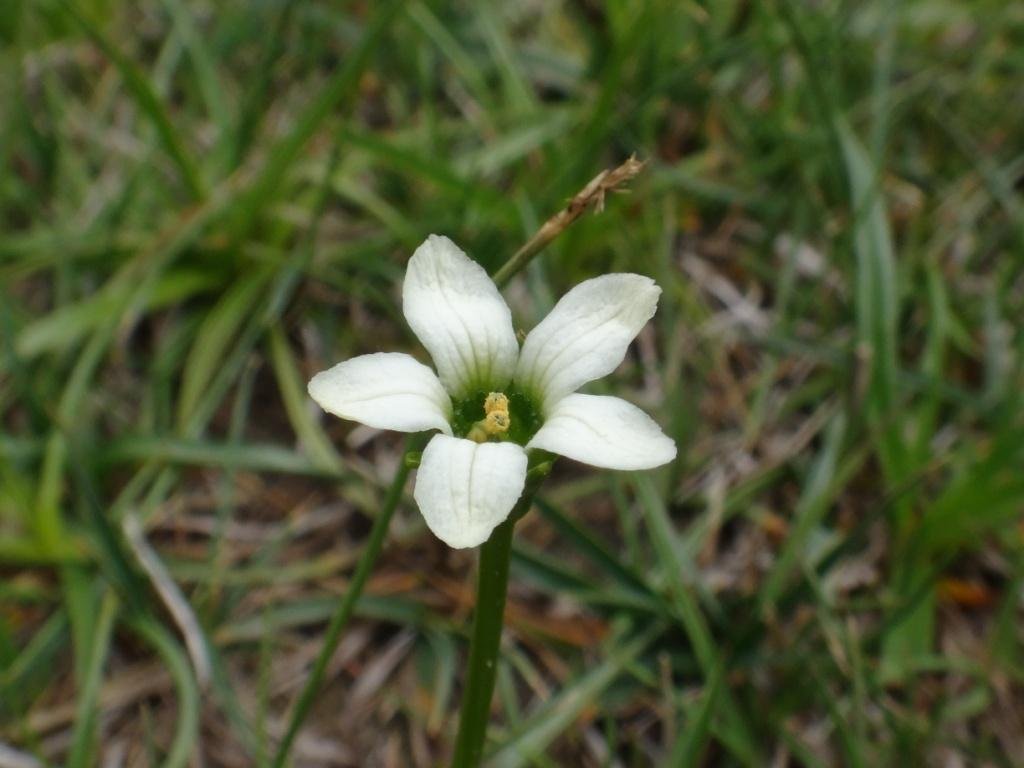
column 876, row 295
column 555, row 716
column 148, row 101
column 83, row 737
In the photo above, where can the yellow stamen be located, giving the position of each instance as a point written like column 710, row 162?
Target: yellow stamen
column 496, row 420
column 478, row 433
column 496, row 401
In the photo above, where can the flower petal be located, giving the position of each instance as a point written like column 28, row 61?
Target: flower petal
column 466, row 489
column 604, row 431
column 386, row 390
column 586, row 335
column 455, row 310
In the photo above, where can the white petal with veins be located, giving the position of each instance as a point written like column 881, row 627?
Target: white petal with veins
column 386, row 390
column 455, row 310
column 586, row 335
column 605, row 432
column 466, row 489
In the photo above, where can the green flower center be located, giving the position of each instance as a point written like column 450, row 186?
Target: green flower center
column 495, row 416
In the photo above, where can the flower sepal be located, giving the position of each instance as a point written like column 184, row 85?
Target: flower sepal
column 539, row 466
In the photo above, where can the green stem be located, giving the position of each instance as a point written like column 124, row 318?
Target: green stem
column 492, row 584
column 348, row 602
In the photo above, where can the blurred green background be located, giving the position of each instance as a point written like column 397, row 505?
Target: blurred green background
column 202, row 204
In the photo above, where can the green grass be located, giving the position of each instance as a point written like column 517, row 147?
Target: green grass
column 201, row 205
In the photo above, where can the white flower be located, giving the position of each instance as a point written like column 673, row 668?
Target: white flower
column 492, row 401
